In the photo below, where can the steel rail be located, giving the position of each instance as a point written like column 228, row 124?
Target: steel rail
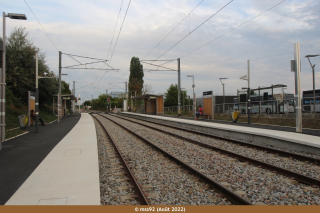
column 230, row 195
column 285, row 172
column 271, row 150
column 136, row 187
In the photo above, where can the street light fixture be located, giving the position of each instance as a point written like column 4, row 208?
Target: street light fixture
column 314, row 92
column 3, row 74
column 247, row 78
column 194, row 98
column 224, row 101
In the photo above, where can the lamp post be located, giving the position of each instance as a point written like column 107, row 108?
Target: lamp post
column 37, row 94
column 314, row 92
column 3, row 74
column 182, row 90
column 224, row 101
column 247, row 78
column 194, row 98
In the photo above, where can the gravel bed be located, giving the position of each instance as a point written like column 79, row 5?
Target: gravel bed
column 301, row 167
column 166, row 182
column 259, row 186
column 109, row 185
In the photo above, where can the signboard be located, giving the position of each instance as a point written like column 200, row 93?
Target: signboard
column 207, row 93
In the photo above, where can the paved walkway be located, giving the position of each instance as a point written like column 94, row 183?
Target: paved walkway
column 276, row 132
column 58, row 166
column 315, row 132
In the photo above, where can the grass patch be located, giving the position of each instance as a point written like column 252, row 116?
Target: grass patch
column 12, row 121
column 13, row 133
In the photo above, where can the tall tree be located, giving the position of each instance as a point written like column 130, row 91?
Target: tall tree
column 172, row 96
column 136, row 76
column 20, row 68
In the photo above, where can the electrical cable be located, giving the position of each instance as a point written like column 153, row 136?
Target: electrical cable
column 120, row 30
column 195, row 29
column 41, row 26
column 114, row 29
column 234, row 29
column 172, row 31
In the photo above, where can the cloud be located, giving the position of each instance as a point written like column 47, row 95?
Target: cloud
column 86, row 28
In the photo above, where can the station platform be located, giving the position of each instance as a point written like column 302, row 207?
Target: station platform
column 277, row 136
column 57, row 166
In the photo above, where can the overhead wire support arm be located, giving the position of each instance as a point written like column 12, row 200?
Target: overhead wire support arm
column 84, row 57
column 168, row 69
column 92, row 69
column 85, row 64
column 159, row 70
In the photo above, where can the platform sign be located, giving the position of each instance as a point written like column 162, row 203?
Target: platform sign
column 207, row 93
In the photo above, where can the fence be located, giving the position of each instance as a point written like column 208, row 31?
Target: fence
column 173, row 109
column 257, row 107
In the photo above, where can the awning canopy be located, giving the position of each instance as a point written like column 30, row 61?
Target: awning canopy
column 271, row 87
column 147, row 96
column 67, row 97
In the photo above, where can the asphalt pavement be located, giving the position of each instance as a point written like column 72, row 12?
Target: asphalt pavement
column 20, row 156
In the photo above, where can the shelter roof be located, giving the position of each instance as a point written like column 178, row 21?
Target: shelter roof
column 147, row 96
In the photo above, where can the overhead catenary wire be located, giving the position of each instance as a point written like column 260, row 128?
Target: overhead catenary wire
column 120, row 30
column 233, row 29
column 41, row 26
column 172, row 31
column 114, row 29
column 195, row 28
column 44, row 30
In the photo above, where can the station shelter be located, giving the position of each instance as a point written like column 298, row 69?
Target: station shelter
column 153, row 104
column 64, row 99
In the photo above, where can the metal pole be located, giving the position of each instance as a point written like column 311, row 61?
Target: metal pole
column 79, row 102
column 28, row 108
column 107, row 100
column 224, row 101
column 59, row 95
column 259, row 102
column 91, row 101
column 74, row 93
column 298, row 87
column 3, row 83
column 179, row 103
column 314, row 92
column 272, row 98
column 126, row 90
column 194, row 98
column 249, row 92
column 37, row 96
column 213, row 105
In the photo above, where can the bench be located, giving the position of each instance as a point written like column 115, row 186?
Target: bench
column 204, row 115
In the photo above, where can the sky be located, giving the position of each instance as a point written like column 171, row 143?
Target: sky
column 150, row 30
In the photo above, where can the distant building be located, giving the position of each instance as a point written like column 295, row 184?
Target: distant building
column 117, row 94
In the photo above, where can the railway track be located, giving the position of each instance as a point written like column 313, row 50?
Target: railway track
column 123, row 170
column 271, row 168
column 190, row 182
column 240, row 143
column 301, row 164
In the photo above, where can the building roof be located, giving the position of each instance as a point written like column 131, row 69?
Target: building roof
column 147, row 96
column 272, row 86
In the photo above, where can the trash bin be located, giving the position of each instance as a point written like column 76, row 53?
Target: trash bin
column 22, row 121
column 235, row 116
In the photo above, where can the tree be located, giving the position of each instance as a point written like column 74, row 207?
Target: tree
column 147, row 88
column 172, row 96
column 136, row 76
column 20, row 69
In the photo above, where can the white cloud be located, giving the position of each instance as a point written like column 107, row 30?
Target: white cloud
column 86, row 28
